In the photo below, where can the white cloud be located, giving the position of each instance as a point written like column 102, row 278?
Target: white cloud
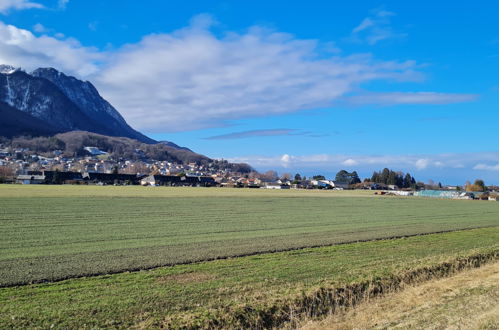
column 421, row 164
column 285, row 159
column 350, row 162
column 413, row 163
column 375, row 28
column 192, row 78
column 19, row 47
column 7, row 5
column 486, row 167
column 410, row 98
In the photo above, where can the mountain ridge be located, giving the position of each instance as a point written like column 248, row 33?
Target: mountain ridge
column 63, row 102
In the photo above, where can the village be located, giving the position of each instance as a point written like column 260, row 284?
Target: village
column 21, row 166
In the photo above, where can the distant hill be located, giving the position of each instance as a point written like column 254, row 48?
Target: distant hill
column 61, row 103
column 73, row 143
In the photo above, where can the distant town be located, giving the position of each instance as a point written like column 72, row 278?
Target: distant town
column 22, row 166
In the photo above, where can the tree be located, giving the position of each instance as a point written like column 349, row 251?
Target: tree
column 385, row 174
column 408, row 181
column 354, row 178
column 319, row 177
column 346, row 177
column 480, row 184
column 298, row 177
column 6, row 173
column 342, row 176
column 270, row 175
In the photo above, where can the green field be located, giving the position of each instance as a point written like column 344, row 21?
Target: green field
column 58, row 232
column 235, row 293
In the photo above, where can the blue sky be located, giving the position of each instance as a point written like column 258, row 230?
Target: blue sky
column 302, row 86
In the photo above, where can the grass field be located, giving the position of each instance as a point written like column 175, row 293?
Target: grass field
column 58, row 232
column 237, row 292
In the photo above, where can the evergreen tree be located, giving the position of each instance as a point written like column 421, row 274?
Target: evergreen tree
column 384, row 176
column 342, row 176
column 407, row 181
column 354, row 178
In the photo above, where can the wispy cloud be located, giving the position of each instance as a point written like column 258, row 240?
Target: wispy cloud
column 396, row 98
column 92, row 26
column 375, row 28
column 8, row 5
column 253, row 133
column 264, row 133
column 485, row 167
column 62, row 4
column 39, row 28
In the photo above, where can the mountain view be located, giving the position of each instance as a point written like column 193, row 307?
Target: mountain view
column 62, row 103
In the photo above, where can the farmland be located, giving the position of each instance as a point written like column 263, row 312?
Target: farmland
column 58, row 232
column 60, row 235
column 237, row 292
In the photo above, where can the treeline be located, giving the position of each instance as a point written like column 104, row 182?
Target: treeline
column 389, row 177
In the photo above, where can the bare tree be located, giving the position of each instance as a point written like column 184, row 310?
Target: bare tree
column 6, row 172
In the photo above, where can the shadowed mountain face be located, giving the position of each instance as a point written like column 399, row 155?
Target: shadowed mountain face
column 15, row 122
column 62, row 103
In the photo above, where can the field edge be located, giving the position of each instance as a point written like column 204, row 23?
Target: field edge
column 323, row 301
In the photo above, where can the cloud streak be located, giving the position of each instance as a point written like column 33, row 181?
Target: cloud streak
column 253, row 133
column 397, row 98
column 485, row 167
column 265, row 133
column 8, row 5
column 375, row 28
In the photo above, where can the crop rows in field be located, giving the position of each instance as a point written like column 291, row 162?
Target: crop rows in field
column 51, row 238
column 237, row 290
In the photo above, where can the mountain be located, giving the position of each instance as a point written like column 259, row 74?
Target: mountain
column 62, row 103
column 15, row 123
